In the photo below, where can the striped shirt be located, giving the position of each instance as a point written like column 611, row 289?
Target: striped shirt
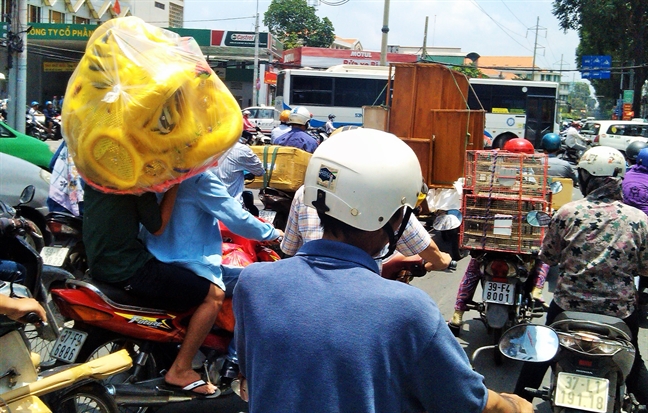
column 232, row 168
column 304, row 225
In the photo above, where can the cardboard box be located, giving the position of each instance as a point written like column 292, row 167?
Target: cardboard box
column 285, row 167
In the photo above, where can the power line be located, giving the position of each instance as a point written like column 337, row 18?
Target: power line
column 498, row 24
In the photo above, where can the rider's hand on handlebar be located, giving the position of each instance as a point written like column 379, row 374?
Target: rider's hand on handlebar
column 16, row 308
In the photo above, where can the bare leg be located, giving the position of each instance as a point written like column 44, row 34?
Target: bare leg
column 181, row 373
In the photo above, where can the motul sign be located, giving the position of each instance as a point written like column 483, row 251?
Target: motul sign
column 324, row 58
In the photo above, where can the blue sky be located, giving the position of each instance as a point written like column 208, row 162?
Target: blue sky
column 488, row 27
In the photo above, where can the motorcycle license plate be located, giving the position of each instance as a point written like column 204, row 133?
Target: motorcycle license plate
column 582, row 392
column 68, row 345
column 54, row 256
column 267, row 215
column 500, row 293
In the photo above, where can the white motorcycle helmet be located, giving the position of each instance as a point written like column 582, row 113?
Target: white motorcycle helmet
column 362, row 177
column 299, row 115
column 603, row 161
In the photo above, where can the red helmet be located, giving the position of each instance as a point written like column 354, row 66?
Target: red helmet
column 519, row 145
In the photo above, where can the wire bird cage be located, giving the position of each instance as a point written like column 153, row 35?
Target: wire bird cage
column 500, row 189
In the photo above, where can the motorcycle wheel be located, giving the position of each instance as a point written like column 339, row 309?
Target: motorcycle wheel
column 101, row 343
column 90, row 398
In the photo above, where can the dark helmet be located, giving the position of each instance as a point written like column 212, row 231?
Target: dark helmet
column 550, row 142
column 642, row 158
column 633, row 150
column 519, row 145
column 331, row 116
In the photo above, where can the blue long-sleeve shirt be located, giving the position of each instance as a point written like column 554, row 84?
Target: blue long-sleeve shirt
column 192, row 237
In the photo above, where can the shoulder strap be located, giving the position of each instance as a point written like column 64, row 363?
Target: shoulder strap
column 267, row 176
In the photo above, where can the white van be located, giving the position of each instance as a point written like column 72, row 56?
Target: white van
column 617, row 134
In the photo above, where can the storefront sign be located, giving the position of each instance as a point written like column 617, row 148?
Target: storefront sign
column 237, row 39
column 270, row 78
column 61, row 31
column 59, row 66
column 324, row 58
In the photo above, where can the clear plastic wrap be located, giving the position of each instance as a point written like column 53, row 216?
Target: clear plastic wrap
column 143, row 110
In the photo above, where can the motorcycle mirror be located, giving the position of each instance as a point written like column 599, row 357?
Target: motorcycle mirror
column 529, row 342
column 27, row 194
column 556, row 187
column 450, row 220
column 538, row 219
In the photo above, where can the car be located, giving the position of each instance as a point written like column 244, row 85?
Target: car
column 617, row 134
column 24, row 146
column 16, row 174
column 265, row 117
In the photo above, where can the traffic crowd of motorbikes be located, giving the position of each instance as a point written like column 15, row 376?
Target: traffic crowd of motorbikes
column 303, row 305
column 86, row 319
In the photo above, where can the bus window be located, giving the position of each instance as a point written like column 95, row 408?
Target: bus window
column 314, row 90
column 359, row 92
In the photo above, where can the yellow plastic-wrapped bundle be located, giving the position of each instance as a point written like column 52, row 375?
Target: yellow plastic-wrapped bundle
column 143, row 110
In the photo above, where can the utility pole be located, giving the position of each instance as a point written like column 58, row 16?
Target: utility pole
column 385, row 30
column 255, row 76
column 17, row 62
column 535, row 45
column 424, row 52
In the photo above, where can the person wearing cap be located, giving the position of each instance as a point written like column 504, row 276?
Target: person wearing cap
column 249, row 128
column 550, row 145
column 329, row 124
column 322, row 331
column 282, row 128
column 297, row 137
column 49, row 113
column 32, row 112
column 574, row 140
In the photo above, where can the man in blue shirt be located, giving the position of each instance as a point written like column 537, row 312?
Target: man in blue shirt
column 297, row 137
column 323, row 332
column 192, row 240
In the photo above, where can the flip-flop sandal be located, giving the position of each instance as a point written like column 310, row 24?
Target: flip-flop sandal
column 189, row 389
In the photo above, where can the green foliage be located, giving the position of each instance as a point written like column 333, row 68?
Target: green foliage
column 581, row 100
column 610, row 27
column 295, row 24
column 469, row 71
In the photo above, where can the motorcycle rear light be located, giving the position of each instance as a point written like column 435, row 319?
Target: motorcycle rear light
column 499, row 269
column 60, row 228
column 89, row 314
column 585, row 363
column 587, row 343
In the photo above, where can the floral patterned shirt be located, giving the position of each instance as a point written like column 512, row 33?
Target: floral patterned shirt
column 599, row 244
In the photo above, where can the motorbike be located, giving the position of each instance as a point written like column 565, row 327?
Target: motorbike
column 21, row 386
column 569, row 154
column 67, row 250
column 319, row 134
column 590, row 355
column 506, row 288
column 36, row 130
column 107, row 318
column 256, row 138
column 276, row 206
column 41, row 236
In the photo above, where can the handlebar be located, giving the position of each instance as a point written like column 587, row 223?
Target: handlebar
column 452, row 266
column 32, row 318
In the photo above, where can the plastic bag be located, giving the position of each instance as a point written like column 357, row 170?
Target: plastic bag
column 143, row 110
column 446, row 198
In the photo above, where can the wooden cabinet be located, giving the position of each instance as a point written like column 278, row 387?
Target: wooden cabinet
column 429, row 111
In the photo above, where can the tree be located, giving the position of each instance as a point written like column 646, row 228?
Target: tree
column 610, row 27
column 581, row 100
column 295, row 24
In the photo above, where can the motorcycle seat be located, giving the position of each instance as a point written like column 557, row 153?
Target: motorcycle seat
column 121, row 297
column 593, row 323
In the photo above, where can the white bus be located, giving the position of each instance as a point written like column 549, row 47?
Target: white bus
column 516, row 108
column 340, row 90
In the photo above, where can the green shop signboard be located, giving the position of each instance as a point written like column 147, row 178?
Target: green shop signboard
column 61, row 31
